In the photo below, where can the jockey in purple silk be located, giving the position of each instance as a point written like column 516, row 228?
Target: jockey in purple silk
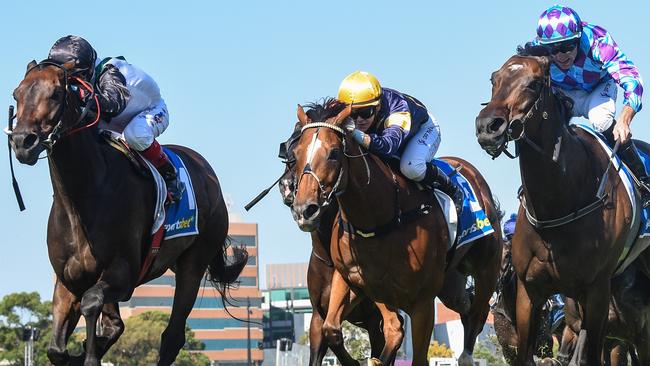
column 129, row 100
column 395, row 125
column 587, row 66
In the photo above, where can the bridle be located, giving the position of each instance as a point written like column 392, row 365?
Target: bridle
column 60, row 129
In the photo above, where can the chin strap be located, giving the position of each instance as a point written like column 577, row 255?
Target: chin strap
column 14, row 182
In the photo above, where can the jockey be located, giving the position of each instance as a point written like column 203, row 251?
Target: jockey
column 392, row 124
column 509, row 227
column 129, row 100
column 586, row 66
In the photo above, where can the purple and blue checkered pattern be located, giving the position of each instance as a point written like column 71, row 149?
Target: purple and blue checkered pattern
column 598, row 59
column 558, row 23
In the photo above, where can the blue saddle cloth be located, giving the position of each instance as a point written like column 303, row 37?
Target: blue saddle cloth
column 473, row 222
column 181, row 217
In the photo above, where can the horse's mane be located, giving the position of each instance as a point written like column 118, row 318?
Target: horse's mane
column 531, row 49
column 328, row 108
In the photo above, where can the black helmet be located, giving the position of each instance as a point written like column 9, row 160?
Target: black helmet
column 77, row 49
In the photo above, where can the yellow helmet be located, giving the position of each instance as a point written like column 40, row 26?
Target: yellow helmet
column 360, row 89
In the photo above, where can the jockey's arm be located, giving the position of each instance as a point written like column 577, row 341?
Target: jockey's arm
column 112, row 91
column 622, row 131
column 390, row 139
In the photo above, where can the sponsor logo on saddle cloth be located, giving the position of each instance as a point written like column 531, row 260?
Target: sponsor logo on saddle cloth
column 473, row 222
column 180, row 218
column 638, row 239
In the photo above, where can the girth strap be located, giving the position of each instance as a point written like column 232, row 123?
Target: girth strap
column 397, row 221
column 544, row 224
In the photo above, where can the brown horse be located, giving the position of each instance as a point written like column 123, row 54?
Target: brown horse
column 100, row 223
column 390, row 238
column 572, row 238
column 319, row 282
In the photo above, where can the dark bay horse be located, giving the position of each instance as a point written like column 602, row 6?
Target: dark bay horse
column 319, row 282
column 402, row 267
column 574, row 246
column 100, row 223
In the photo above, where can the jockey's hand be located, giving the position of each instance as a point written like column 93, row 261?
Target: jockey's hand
column 349, row 125
column 621, row 130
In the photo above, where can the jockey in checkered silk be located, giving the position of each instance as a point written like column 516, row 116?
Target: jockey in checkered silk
column 129, row 99
column 395, row 125
column 587, row 65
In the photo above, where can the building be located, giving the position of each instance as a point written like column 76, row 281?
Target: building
column 225, row 338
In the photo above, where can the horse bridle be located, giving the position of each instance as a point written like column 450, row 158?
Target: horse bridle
column 60, row 130
column 516, row 129
column 336, row 189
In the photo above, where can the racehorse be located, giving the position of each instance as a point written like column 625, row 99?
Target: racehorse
column 390, row 238
column 99, row 229
column 319, row 280
column 568, row 235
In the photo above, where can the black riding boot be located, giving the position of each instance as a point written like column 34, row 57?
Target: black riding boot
column 630, row 156
column 174, row 185
column 436, row 177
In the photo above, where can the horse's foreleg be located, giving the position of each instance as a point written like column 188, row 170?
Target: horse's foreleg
column 474, row 319
column 375, row 333
column 65, row 315
column 340, row 303
column 112, row 328
column 317, row 343
column 393, row 333
column 421, row 328
column 528, row 317
column 595, row 316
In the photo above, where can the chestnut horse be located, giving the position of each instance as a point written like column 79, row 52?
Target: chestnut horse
column 319, row 282
column 390, row 239
column 100, row 223
column 568, row 236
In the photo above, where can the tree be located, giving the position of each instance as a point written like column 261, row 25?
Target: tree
column 19, row 310
column 141, row 340
column 490, row 351
column 439, row 350
column 356, row 341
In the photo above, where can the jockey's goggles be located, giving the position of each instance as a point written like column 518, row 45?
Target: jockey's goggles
column 364, row 113
column 563, row 47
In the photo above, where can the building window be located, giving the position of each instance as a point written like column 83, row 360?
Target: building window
column 247, row 281
column 246, row 240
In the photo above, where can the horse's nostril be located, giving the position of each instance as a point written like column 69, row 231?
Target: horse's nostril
column 310, row 211
column 29, row 141
column 496, row 124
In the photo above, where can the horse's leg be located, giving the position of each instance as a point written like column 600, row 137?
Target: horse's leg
column 375, row 334
column 567, row 346
column 189, row 272
column 65, row 316
column 113, row 285
column 393, row 333
column 595, row 316
column 422, row 326
column 112, row 328
column 474, row 319
column 340, row 303
column 317, row 343
column 528, row 316
column 617, row 352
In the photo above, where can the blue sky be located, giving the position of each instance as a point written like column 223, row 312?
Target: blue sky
column 232, row 74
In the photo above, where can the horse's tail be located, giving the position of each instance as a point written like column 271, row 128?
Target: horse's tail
column 497, row 207
column 223, row 275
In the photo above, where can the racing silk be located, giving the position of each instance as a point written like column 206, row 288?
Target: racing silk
column 398, row 119
column 123, row 91
column 598, row 59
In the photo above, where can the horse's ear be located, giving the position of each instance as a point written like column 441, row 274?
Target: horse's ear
column 302, row 116
column 544, row 63
column 30, row 66
column 343, row 115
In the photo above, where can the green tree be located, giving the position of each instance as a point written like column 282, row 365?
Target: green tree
column 490, row 350
column 17, row 311
column 141, row 340
column 356, row 341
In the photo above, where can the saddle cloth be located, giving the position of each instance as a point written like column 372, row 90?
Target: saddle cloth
column 473, row 223
column 639, row 237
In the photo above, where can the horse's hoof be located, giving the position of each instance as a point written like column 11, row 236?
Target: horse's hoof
column 374, row 362
column 549, row 362
column 465, row 359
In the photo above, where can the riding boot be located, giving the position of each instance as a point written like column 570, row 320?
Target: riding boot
column 159, row 159
column 436, row 177
column 630, row 156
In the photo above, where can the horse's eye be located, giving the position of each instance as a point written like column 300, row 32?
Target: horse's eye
column 56, row 95
column 534, row 85
column 334, row 154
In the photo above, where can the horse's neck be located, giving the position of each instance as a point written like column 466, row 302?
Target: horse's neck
column 553, row 188
column 368, row 201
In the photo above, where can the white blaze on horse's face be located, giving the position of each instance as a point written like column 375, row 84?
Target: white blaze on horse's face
column 515, row 67
column 313, row 147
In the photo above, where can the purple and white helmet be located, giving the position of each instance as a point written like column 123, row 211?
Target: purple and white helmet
column 557, row 24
